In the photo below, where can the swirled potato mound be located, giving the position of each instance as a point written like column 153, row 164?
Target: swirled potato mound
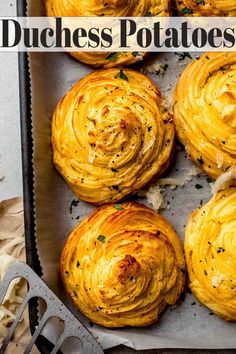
column 110, row 136
column 206, row 7
column 205, row 111
column 210, row 250
column 122, row 265
column 111, row 8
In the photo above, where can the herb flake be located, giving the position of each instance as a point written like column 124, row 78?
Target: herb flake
column 118, row 207
column 74, row 203
column 186, row 11
column 165, row 66
column 122, row 75
column 115, row 187
column 101, row 238
column 112, row 57
column 200, row 160
column 184, row 55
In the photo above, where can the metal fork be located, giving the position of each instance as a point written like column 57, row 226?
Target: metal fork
column 55, row 308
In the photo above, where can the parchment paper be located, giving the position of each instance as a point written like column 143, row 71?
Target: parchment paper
column 186, row 325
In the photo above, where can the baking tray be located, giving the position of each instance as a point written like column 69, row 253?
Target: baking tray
column 32, row 257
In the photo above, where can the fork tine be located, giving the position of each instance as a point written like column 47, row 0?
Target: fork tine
column 36, row 333
column 58, row 344
column 14, row 324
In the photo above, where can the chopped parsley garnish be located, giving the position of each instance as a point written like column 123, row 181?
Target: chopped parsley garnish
column 74, row 203
column 165, row 66
column 135, row 54
column 118, row 207
column 198, row 2
column 223, row 68
column 122, row 75
column 200, row 160
column 186, row 11
column 112, row 57
column 116, row 188
column 101, row 238
column 184, row 55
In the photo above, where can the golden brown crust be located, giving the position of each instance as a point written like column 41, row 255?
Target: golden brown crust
column 210, row 251
column 110, row 136
column 102, row 59
column 111, row 8
column 118, row 8
column 122, row 265
column 205, row 111
column 206, row 7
